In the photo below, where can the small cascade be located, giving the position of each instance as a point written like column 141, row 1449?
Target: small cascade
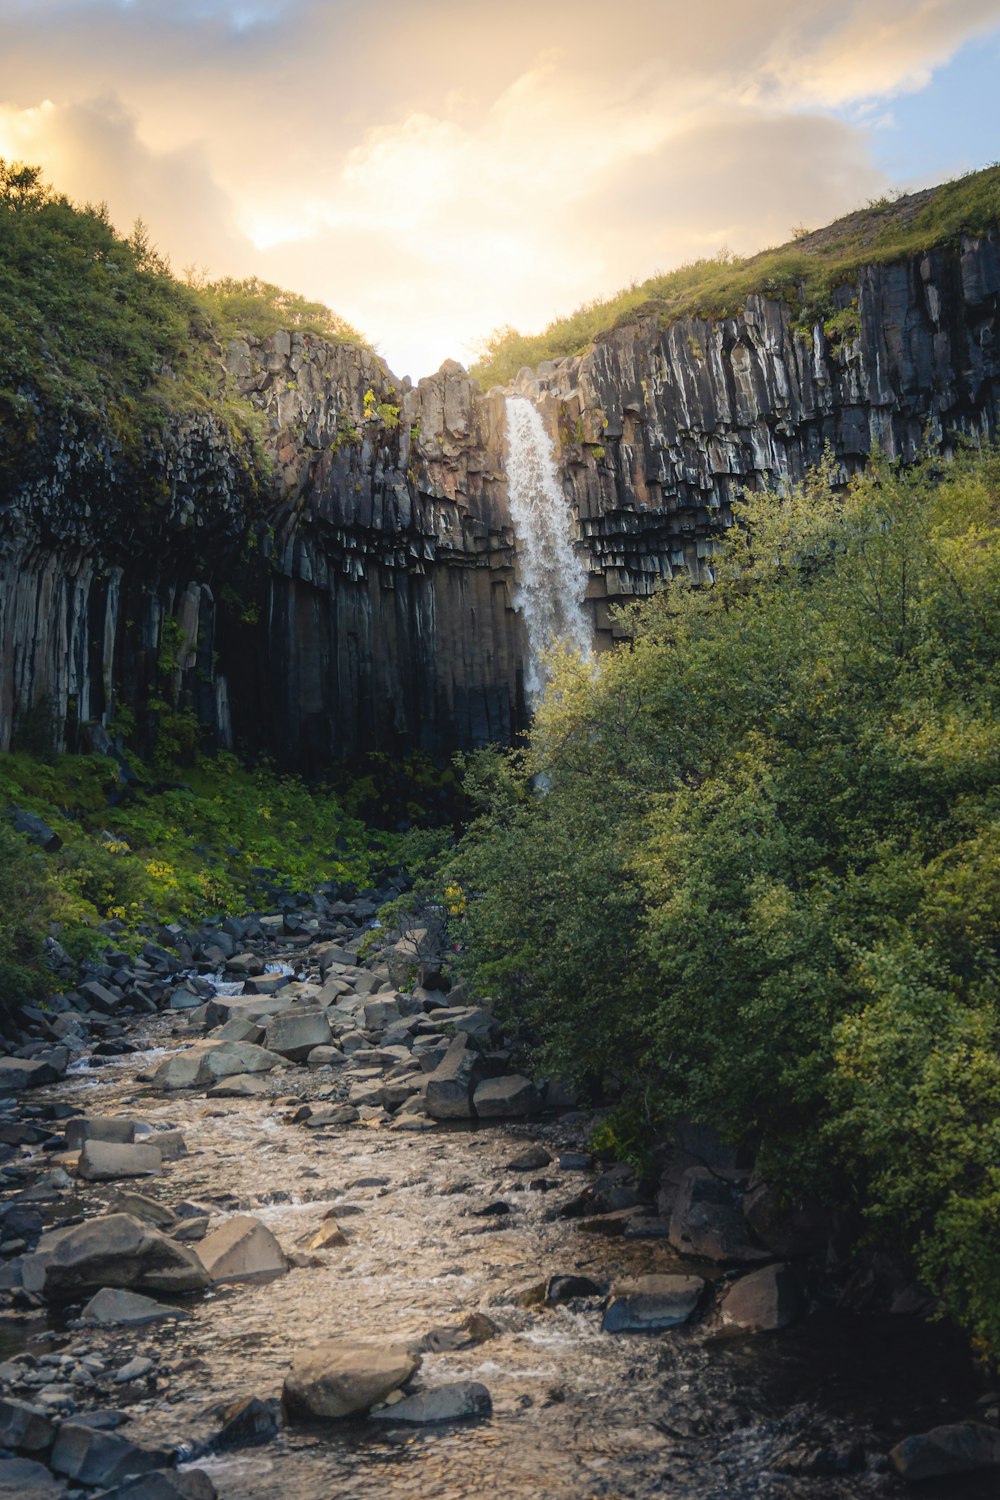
column 552, row 578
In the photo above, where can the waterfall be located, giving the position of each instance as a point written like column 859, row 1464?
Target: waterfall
column 552, row 578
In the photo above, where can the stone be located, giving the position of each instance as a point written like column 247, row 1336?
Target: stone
column 19, row 1073
column 294, row 1034
column 170, row 1143
column 115, row 1250
column 136, row 1369
column 958, row 1448
column 24, row 1428
column 248, row 1422
column 531, row 1160
column 240, row 1086
column 648, row 1303
column 92, row 1457
column 116, row 1128
column 238, row 1029
column 113, row 1307
column 242, row 1249
column 34, row 828
column 501, row 1098
column 448, row 1094
column 209, row 1062
column 325, row 1057
column 707, row 1222
column 328, row 1236
column 25, row 1479
column 100, row 998
column 143, row 1207
column 454, row 1402
column 764, row 1300
column 164, row 1484
column 560, row 1289
column 343, row 1376
column 787, row 1229
column 378, row 1014
column 106, row 1161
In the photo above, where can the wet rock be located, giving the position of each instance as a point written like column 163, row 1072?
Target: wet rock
column 136, row 1369
column 294, row 1034
column 164, row 1484
column 613, row 1224
column 116, row 1250
column 20, row 1073
column 119, row 1129
column 499, row 1098
column 766, row 1299
column 575, row 1161
column 106, row 1161
column 707, row 1221
column 242, row 1249
column 343, row 1376
column 531, row 1160
column 143, row 1207
column 959, row 1448
column 334, row 1114
column 652, row 1302
column 113, row 1307
column 562, row 1289
column 476, row 1329
column 449, row 1088
column 92, row 1457
column 248, row 1422
column 240, row 1086
column 170, row 1143
column 25, row 1479
column 454, row 1402
column 24, row 1428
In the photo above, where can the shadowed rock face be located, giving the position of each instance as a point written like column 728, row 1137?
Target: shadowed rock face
column 365, row 600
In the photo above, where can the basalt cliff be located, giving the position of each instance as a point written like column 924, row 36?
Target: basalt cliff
column 362, row 594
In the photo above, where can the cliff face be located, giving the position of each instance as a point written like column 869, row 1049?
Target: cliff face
column 363, row 598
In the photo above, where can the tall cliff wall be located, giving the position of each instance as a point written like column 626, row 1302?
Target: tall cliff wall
column 363, row 598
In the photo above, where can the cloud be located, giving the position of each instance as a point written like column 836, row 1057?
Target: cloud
column 435, row 169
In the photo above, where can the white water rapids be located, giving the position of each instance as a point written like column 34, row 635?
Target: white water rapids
column 552, row 578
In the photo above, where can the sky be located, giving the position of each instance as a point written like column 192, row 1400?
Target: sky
column 436, row 169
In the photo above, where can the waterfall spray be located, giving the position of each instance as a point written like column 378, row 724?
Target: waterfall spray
column 552, row 578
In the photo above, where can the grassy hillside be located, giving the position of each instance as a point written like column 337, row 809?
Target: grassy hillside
column 97, row 325
column 804, row 272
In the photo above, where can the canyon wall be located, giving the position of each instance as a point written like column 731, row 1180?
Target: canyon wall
column 362, row 596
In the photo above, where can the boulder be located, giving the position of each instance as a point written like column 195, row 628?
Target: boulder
column 295, row 1033
column 18, row 1073
column 454, row 1402
column 242, row 1249
column 100, row 998
column 106, row 1161
column 764, row 1300
column 240, row 1086
column 707, row 1220
column 238, row 1029
column 325, row 1057
column 648, row 1303
column 119, row 1129
column 24, row 1428
column 165, row 1484
column 788, row 1229
column 958, row 1448
column 25, row 1479
column 208, row 1063
column 344, row 1376
column 93, row 1457
column 112, row 1307
column 248, row 1422
column 116, row 1250
column 500, row 1098
column 170, row 1143
column 531, row 1160
column 449, row 1087
column 379, row 1013
column 34, row 828
column 140, row 1206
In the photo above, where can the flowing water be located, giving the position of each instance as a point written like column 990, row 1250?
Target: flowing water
column 808, row 1413
column 552, row 579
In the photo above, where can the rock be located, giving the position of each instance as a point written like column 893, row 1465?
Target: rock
column 106, row 1161
column 238, row 1029
column 454, row 1402
column 707, row 1222
column 248, row 1422
column 328, row 1236
column 119, row 1129
column 24, row 1479
column 170, row 1143
column 164, row 1484
column 34, row 828
column 294, row 1034
column 499, row 1098
column 325, row 1057
column 209, row 1062
column 242, row 1249
column 959, row 1448
column 333, row 1114
column 787, row 1229
column 93, row 1457
column 100, row 998
column 19, row 1073
column 24, row 1428
column 531, row 1160
column 240, row 1086
column 648, row 1303
column 113, row 1307
column 449, row 1088
column 562, row 1289
column 766, row 1299
column 619, row 1222
column 116, row 1250
column 142, row 1207
column 194, row 1227
column 136, row 1369
column 344, row 1376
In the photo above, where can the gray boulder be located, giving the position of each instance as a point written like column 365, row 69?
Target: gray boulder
column 113, row 1308
column 92, row 1457
column 707, row 1220
column 165, row 1484
column 449, row 1087
column 242, row 1249
column 240, row 1086
column 958, row 1448
column 764, row 1300
column 115, row 1250
column 106, row 1161
column 501, row 1098
column 18, row 1073
column 208, row 1063
column 25, row 1479
column 648, row 1303
column 295, row 1033
column 119, row 1129
column 343, row 1376
column 442, row 1403
column 24, row 1428
column 35, row 828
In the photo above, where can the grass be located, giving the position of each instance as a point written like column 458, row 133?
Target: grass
column 805, row 273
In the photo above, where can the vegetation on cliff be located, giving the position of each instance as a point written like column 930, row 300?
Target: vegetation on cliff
column 747, row 868
column 806, row 273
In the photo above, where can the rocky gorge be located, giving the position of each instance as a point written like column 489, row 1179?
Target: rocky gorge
column 359, row 592
column 278, row 1214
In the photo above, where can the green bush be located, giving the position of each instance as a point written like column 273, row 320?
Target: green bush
column 760, row 885
column 26, row 904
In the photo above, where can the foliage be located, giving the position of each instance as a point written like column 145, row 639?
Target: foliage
column 25, row 899
column 806, row 273
column 236, row 308
column 749, row 865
